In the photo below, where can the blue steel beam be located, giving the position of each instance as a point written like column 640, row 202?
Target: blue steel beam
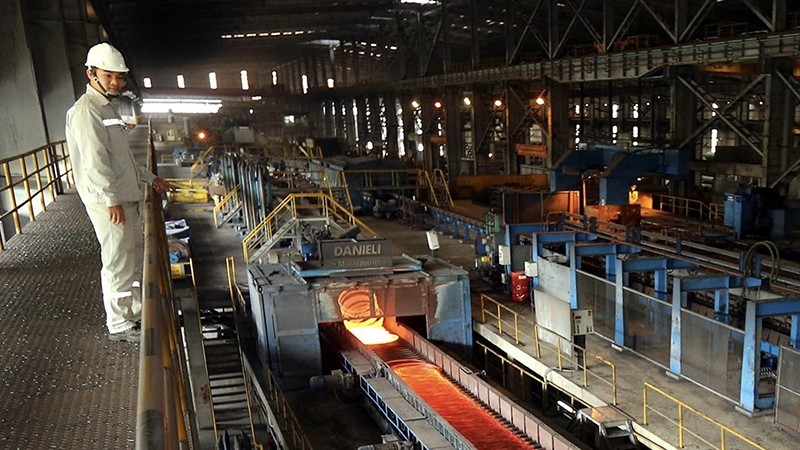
column 719, row 282
column 562, row 237
column 651, row 264
column 777, row 307
column 599, row 249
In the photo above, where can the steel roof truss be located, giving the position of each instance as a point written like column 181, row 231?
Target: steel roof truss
column 735, row 125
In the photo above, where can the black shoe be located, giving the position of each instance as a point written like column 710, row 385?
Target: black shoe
column 130, row 335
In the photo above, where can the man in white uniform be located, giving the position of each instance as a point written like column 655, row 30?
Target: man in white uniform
column 108, row 181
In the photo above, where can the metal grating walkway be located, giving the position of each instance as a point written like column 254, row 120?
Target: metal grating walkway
column 63, row 384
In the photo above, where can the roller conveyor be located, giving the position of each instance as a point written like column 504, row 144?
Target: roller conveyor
column 417, row 397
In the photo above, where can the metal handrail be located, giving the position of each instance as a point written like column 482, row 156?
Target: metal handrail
column 288, row 210
column 52, row 162
column 438, row 175
column 221, row 208
column 163, row 385
column 689, row 207
column 681, row 423
column 519, row 331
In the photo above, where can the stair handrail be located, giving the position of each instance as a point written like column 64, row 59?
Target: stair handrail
column 264, row 230
column 438, row 174
column 429, row 184
column 223, row 204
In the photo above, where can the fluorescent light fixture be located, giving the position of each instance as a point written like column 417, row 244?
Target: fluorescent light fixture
column 330, row 83
column 180, row 106
column 181, row 82
column 256, row 98
column 274, row 77
column 245, row 83
column 148, row 83
column 304, row 82
column 212, row 80
column 420, row 2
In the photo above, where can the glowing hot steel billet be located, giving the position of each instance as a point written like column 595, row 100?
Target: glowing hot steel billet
column 359, row 310
column 460, row 411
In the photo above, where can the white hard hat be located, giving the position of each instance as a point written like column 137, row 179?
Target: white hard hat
column 104, row 56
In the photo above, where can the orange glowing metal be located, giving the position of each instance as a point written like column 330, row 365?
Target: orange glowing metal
column 360, row 310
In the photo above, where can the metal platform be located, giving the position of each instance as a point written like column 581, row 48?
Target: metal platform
column 64, row 384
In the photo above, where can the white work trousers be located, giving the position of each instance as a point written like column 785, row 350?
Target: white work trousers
column 122, row 253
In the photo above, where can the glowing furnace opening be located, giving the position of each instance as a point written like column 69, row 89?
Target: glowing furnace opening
column 364, row 318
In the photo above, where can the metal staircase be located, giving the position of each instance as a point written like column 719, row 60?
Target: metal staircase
column 286, row 221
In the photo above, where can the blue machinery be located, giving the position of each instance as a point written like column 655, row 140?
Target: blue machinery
column 657, row 323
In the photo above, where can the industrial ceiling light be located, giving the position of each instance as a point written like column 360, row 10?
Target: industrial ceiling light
column 414, row 104
column 539, row 101
column 437, row 104
column 467, row 101
column 498, row 103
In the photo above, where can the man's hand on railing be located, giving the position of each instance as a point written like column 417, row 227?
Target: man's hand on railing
column 161, row 185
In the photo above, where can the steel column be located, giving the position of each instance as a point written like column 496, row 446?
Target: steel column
column 619, row 304
column 675, row 336
column 751, row 359
column 722, row 305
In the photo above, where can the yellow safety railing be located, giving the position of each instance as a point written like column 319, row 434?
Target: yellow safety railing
column 229, row 202
column 293, row 207
column 28, row 177
column 163, row 404
column 188, row 190
column 342, row 182
column 706, row 425
column 271, row 402
column 238, row 304
column 513, row 324
column 440, row 180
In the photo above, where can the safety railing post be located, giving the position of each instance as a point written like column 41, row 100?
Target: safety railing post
column 499, row 321
column 483, row 309
column 39, row 180
column 644, row 403
column 680, row 425
column 516, row 328
column 12, row 197
column 585, row 369
column 26, row 184
column 536, row 340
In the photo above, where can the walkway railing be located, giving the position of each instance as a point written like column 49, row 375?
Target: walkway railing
column 293, row 207
column 27, row 179
column 513, row 324
column 163, row 407
column 705, row 429
column 687, row 207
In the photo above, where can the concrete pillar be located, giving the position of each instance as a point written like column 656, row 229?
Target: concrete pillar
column 46, row 38
column 21, row 110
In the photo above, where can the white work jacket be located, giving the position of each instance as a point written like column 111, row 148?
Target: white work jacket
column 97, row 139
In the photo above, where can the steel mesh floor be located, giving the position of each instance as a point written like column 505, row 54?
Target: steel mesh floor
column 63, row 384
